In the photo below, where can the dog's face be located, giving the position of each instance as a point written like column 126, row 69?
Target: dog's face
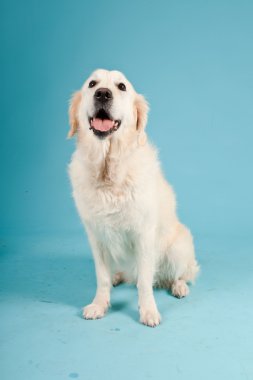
column 106, row 106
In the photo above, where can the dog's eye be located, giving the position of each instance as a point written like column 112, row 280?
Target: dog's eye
column 121, row 87
column 92, row 83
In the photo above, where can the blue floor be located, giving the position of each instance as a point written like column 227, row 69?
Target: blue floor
column 45, row 280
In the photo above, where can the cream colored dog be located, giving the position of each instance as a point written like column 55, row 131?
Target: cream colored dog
column 126, row 205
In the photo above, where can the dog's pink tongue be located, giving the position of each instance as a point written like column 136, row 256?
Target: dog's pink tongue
column 102, row 125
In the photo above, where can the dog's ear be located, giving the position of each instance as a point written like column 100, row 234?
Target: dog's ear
column 142, row 112
column 142, row 117
column 73, row 113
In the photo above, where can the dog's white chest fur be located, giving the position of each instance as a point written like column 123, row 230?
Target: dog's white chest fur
column 110, row 204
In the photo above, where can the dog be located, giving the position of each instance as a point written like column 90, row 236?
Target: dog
column 127, row 207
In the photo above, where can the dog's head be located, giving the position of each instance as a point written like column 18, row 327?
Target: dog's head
column 106, row 106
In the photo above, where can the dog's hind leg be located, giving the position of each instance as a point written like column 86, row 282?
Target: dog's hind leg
column 182, row 265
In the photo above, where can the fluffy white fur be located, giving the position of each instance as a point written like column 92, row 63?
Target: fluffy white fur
column 126, row 205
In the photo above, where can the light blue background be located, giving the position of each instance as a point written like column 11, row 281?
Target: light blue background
column 193, row 60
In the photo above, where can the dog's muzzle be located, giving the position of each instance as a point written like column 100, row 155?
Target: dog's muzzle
column 102, row 124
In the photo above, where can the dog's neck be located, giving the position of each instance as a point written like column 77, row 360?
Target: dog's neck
column 106, row 161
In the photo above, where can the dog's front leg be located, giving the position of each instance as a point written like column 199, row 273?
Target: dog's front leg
column 101, row 301
column 149, row 314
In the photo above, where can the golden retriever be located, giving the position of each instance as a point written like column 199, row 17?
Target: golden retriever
column 127, row 207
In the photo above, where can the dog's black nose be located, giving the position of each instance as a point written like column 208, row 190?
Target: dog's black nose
column 103, row 95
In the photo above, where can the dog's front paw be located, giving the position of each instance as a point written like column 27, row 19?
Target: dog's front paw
column 150, row 317
column 94, row 311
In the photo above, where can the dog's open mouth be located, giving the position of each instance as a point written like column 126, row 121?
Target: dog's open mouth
column 102, row 124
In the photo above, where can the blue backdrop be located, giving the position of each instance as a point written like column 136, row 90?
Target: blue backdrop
column 192, row 60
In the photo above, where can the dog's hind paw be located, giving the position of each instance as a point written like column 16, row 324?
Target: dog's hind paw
column 118, row 278
column 179, row 289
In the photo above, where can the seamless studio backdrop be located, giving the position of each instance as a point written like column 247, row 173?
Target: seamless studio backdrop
column 193, row 61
